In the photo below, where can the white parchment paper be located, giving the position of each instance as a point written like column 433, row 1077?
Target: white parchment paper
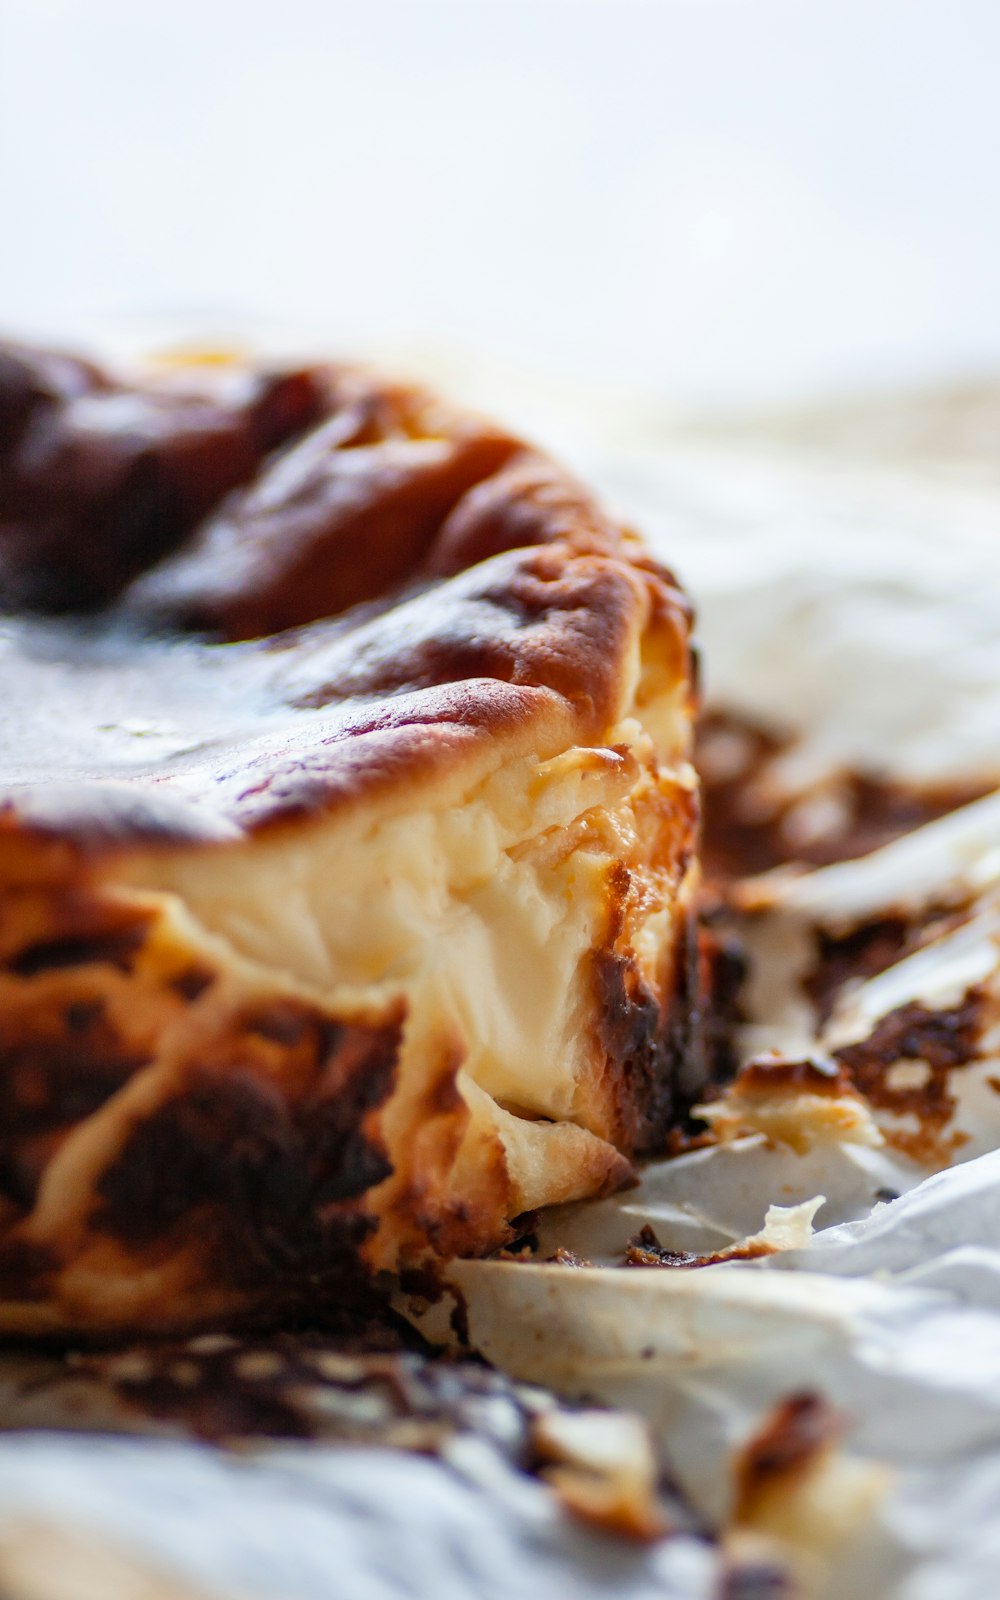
column 864, row 614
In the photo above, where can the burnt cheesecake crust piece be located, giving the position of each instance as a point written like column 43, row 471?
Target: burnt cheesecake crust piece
column 347, row 842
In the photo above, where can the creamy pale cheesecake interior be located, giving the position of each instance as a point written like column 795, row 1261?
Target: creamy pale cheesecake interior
column 347, row 842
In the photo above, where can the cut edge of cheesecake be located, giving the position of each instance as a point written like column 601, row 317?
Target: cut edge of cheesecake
column 371, row 1029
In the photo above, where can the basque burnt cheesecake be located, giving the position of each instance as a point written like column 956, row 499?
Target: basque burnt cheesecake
column 347, row 841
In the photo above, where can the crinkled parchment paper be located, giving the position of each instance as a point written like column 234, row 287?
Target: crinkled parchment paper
column 828, row 1401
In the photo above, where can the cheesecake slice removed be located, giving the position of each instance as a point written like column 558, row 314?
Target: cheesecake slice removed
column 347, row 843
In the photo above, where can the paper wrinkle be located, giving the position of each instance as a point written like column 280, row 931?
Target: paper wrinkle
column 335, row 1524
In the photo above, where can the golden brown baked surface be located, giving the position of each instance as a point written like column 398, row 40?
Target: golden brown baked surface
column 347, row 834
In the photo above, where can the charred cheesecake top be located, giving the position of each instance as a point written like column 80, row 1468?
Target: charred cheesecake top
column 235, row 596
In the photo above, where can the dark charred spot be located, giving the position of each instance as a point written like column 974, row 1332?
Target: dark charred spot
column 791, row 1437
column 751, row 826
column 778, row 1461
column 192, row 982
column 939, row 1040
column 26, row 1270
column 634, row 1035
column 765, row 1074
column 82, row 1015
column 285, row 1022
column 862, row 953
column 567, row 1258
column 270, row 1181
column 645, row 1250
column 524, row 1243
column 881, row 810
column 870, row 948
column 424, row 1283
column 458, row 1321
column 722, row 969
column 211, row 1409
column 116, row 947
column 936, row 1042
column 443, row 1096
column 943, row 1039
column 731, row 752
column 657, row 1056
column 48, row 1085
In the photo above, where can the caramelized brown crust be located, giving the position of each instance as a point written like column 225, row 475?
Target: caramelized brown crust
column 529, row 649
column 99, row 480
column 395, row 500
column 346, row 862
column 345, row 516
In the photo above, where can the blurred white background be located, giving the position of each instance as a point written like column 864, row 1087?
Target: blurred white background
column 719, row 201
